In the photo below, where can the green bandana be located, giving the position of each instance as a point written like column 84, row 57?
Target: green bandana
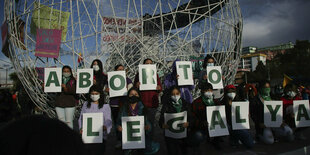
column 177, row 105
column 65, row 80
column 265, row 93
column 207, row 101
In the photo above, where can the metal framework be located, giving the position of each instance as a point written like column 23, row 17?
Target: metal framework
column 125, row 32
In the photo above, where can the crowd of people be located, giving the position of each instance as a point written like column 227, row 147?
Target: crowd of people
column 175, row 99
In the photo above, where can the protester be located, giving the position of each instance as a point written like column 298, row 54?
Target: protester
column 263, row 133
column 172, row 80
column 250, row 91
column 200, row 124
column 95, row 104
column 37, row 135
column 135, row 107
column 66, row 100
column 150, row 97
column 290, row 95
column 210, row 61
column 244, row 136
column 175, row 104
column 116, row 102
column 278, row 92
column 100, row 78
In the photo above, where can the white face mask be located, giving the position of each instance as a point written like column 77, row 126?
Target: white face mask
column 96, row 67
column 95, row 97
column 66, row 74
column 291, row 94
column 210, row 64
column 208, row 95
column 231, row 95
column 175, row 98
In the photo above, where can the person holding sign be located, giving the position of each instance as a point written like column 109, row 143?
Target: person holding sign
column 116, row 102
column 175, row 104
column 100, row 78
column 290, row 95
column 209, row 61
column 95, row 104
column 235, row 135
column 265, row 134
column 172, row 80
column 200, row 125
column 66, row 101
column 150, row 97
column 135, row 107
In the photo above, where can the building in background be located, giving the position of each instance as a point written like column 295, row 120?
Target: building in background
column 272, row 51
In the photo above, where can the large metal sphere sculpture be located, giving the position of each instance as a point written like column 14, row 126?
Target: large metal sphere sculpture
column 122, row 32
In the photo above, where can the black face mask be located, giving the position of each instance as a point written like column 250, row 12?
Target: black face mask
column 133, row 99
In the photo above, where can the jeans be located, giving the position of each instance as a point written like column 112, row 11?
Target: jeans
column 244, row 136
column 282, row 132
column 66, row 115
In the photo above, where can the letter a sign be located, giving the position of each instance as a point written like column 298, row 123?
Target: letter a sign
column 148, row 77
column 92, row 127
column 52, row 79
column 215, row 76
column 117, row 83
column 175, row 122
column 85, row 80
column 133, row 135
column 216, row 117
column 185, row 72
column 301, row 111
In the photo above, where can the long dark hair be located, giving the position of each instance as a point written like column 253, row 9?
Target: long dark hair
column 127, row 105
column 117, row 66
column 144, row 61
column 68, row 67
column 205, row 61
column 97, row 73
column 172, row 88
column 96, row 88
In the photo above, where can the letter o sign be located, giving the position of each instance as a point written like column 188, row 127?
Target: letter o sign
column 122, row 82
column 218, row 76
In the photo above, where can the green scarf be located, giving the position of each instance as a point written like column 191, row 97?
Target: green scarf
column 265, row 94
column 207, row 101
column 177, row 105
column 65, row 80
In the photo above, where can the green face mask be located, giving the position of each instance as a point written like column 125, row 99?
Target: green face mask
column 265, row 93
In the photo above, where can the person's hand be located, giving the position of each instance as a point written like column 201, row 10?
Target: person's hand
column 107, row 89
column 177, row 76
column 63, row 85
column 185, row 125
column 104, row 128
column 165, row 126
column 94, row 82
column 119, row 128
column 158, row 87
column 205, row 77
column 81, row 131
column 147, row 127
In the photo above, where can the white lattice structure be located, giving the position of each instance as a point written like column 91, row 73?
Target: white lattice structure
column 125, row 32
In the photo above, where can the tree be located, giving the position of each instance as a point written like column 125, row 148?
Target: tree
column 294, row 62
column 260, row 73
